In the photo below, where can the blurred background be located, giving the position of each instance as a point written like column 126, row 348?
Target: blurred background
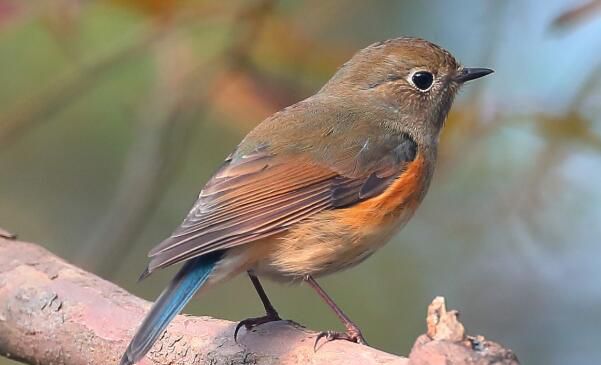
column 114, row 113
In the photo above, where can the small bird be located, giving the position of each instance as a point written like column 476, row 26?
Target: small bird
column 317, row 187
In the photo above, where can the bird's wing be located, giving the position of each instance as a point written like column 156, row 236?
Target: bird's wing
column 260, row 195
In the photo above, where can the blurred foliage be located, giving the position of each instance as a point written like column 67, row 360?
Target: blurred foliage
column 114, row 113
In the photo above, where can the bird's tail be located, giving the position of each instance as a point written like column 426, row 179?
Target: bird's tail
column 188, row 280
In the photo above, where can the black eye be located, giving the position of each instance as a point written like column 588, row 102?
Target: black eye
column 422, row 80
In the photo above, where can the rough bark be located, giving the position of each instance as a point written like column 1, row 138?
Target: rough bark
column 52, row 312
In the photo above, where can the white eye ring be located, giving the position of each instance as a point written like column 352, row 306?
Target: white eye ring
column 422, row 80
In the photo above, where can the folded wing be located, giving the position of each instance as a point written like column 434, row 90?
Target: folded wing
column 260, row 195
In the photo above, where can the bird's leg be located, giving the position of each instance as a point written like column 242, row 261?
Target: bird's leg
column 353, row 333
column 270, row 313
column 269, row 309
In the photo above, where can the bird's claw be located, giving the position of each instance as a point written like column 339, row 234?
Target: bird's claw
column 250, row 323
column 352, row 335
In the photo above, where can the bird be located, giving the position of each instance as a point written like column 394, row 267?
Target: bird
column 317, row 187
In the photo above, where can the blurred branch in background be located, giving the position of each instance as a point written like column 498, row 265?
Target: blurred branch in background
column 577, row 14
column 149, row 166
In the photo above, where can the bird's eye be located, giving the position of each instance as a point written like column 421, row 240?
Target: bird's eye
column 422, row 80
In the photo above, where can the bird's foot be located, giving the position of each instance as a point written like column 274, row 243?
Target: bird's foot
column 250, row 323
column 352, row 334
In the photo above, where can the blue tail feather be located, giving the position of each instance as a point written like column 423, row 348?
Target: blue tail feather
column 188, row 280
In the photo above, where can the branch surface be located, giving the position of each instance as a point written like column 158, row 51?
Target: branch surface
column 52, row 312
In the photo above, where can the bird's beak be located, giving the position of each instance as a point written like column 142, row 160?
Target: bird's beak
column 467, row 74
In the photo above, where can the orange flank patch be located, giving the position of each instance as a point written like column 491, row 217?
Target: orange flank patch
column 399, row 201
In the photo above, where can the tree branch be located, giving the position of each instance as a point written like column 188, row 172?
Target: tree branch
column 52, row 312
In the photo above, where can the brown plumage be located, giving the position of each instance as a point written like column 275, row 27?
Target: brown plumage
column 320, row 185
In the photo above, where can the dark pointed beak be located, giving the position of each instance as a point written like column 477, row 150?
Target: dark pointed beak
column 467, row 74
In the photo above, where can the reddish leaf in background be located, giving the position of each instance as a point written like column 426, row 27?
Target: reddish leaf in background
column 9, row 11
column 241, row 99
column 159, row 9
